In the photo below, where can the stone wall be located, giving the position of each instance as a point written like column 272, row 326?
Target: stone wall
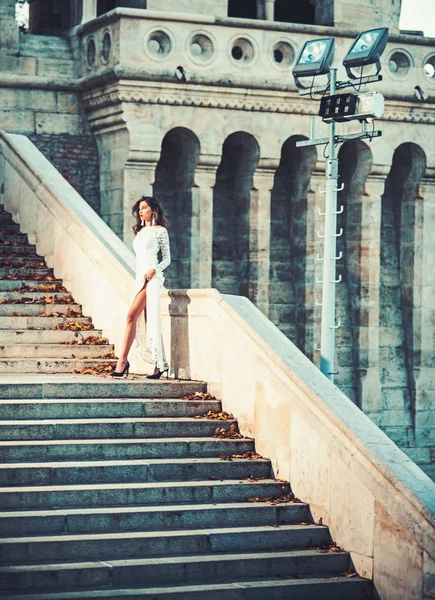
column 76, row 158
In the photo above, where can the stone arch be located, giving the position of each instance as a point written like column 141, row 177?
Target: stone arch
column 244, row 9
column 401, row 275
column 288, row 238
column 302, row 11
column 175, row 174
column 355, row 162
column 231, row 213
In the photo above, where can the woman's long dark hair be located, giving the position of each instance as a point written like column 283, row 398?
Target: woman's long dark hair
column 155, row 206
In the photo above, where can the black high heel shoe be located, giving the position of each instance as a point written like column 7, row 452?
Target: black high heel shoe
column 157, row 374
column 123, row 372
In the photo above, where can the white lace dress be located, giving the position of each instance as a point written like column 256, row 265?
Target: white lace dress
column 146, row 245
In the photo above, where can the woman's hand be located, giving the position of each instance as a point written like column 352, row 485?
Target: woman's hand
column 150, row 274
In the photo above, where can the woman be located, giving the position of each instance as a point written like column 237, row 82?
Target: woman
column 151, row 236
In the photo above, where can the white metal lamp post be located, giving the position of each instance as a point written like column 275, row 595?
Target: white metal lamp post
column 315, row 59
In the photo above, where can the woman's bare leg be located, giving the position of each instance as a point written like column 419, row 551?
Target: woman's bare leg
column 139, row 304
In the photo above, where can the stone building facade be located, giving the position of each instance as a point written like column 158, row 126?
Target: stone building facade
column 194, row 101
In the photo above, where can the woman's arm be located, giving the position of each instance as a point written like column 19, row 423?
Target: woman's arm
column 163, row 239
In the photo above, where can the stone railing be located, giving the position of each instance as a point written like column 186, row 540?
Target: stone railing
column 378, row 504
column 94, row 264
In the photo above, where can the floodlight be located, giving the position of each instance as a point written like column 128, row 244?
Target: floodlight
column 350, row 107
column 314, row 59
column 366, row 50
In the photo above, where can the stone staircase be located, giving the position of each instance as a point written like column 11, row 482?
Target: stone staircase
column 42, row 329
column 116, row 489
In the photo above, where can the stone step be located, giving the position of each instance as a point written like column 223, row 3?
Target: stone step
column 46, row 336
column 160, row 543
column 151, row 518
column 149, row 470
column 27, row 250
column 40, row 322
column 104, row 407
column 63, row 387
column 310, row 588
column 133, row 494
column 23, row 272
column 63, row 429
column 7, row 226
column 173, row 569
column 17, row 237
column 27, row 297
column 51, row 365
column 19, row 261
column 34, row 310
column 54, row 351
column 121, row 449
column 11, row 285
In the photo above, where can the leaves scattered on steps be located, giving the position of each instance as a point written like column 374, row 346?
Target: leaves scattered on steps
column 28, row 276
column 33, row 328
column 329, row 546
column 199, row 396
column 216, row 415
column 30, row 265
column 250, row 455
column 43, row 287
column 69, row 313
column 280, row 499
column 96, row 370
column 110, row 354
column 47, row 299
column 73, row 326
column 18, row 255
column 91, row 340
column 231, row 433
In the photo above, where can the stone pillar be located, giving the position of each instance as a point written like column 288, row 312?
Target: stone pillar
column 9, row 32
column 424, row 332
column 368, row 317
column 139, row 179
column 269, row 10
column 259, row 239
column 260, row 10
column 201, row 250
column 89, row 10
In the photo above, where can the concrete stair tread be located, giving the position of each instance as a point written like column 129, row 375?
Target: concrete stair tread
column 43, row 336
column 90, row 401
column 167, row 509
column 122, row 441
column 120, row 463
column 133, row 486
column 289, row 528
column 339, row 588
column 34, row 310
column 24, row 422
column 54, row 351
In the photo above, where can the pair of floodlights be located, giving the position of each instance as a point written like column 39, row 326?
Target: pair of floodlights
column 315, row 59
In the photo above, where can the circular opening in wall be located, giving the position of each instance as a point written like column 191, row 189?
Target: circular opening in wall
column 399, row 63
column 91, row 52
column 106, row 47
column 159, row 44
column 201, row 48
column 429, row 68
column 242, row 51
column 283, row 55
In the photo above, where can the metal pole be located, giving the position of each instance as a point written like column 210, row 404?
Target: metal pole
column 327, row 342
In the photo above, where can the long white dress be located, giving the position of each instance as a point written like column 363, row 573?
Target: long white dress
column 146, row 245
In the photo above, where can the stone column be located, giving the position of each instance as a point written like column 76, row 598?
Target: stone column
column 260, row 10
column 89, row 10
column 368, row 313
column 9, row 32
column 259, row 239
column 139, row 177
column 201, row 250
column 269, row 10
column 424, row 330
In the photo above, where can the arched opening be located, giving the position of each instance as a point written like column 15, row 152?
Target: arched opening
column 104, row 6
column 244, row 9
column 288, row 239
column 48, row 17
column 401, row 226
column 231, row 213
column 355, row 161
column 175, row 173
column 296, row 11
